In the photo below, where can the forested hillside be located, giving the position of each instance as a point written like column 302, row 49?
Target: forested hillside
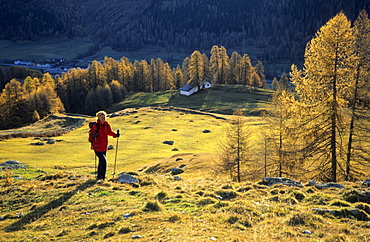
column 280, row 28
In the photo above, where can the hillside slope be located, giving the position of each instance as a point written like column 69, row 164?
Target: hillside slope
column 280, row 29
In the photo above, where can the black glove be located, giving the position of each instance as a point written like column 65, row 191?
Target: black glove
column 117, row 135
column 95, row 134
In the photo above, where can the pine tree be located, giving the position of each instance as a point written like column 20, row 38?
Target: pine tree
column 234, row 63
column 235, row 150
column 322, row 89
column 285, row 160
column 260, row 71
column 244, row 70
column 195, row 69
column 255, row 80
column 359, row 115
column 11, row 99
column 275, row 84
column 220, row 67
column 117, row 91
column 284, row 81
column 179, row 79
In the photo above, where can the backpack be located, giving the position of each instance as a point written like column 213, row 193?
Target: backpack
column 91, row 124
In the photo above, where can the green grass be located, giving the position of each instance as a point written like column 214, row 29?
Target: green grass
column 141, row 142
column 43, row 49
column 222, row 99
column 64, row 209
column 45, row 202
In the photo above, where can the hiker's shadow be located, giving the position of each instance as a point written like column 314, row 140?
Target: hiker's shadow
column 39, row 212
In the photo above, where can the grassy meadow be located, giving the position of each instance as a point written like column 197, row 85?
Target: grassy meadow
column 58, row 199
column 43, row 49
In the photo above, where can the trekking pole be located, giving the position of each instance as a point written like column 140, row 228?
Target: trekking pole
column 115, row 159
column 96, row 171
column 95, row 163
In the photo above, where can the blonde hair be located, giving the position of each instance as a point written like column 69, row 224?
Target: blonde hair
column 98, row 114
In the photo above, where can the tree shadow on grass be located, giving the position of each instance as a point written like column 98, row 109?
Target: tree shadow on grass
column 39, row 212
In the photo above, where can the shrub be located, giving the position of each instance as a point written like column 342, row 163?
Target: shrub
column 101, row 225
column 352, row 213
column 206, row 201
column 174, row 218
column 245, row 223
column 355, row 196
column 232, row 219
column 227, row 194
column 221, row 205
column 227, row 187
column 161, row 196
column 152, row 206
column 289, row 200
column 125, row 230
column 340, row 203
column 363, row 206
column 299, row 195
column 296, row 219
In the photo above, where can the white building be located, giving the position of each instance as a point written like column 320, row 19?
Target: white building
column 188, row 89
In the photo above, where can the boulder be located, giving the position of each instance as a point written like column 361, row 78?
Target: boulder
column 37, row 143
column 168, row 142
column 126, row 178
column 176, row 171
column 366, row 183
column 269, row 181
column 325, row 185
column 50, row 142
column 10, row 162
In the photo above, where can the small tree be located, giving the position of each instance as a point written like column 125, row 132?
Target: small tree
column 233, row 152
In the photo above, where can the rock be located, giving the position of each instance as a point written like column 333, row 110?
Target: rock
column 10, row 162
column 322, row 211
column 168, row 142
column 176, row 171
column 126, row 178
column 206, row 131
column 179, row 159
column 58, row 167
column 12, row 165
column 127, row 215
column 37, row 143
column 325, row 185
column 269, row 181
column 175, row 149
column 110, row 147
column 136, row 237
column 366, row 183
column 174, row 129
column 177, row 178
column 50, row 141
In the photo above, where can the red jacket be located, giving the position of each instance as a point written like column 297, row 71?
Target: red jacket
column 100, row 143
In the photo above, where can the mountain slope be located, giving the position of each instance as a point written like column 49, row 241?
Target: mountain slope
column 279, row 28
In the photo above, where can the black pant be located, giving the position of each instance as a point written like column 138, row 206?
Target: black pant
column 102, row 166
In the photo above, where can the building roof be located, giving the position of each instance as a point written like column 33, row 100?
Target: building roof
column 186, row 88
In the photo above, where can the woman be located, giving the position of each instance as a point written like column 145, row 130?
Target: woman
column 99, row 132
